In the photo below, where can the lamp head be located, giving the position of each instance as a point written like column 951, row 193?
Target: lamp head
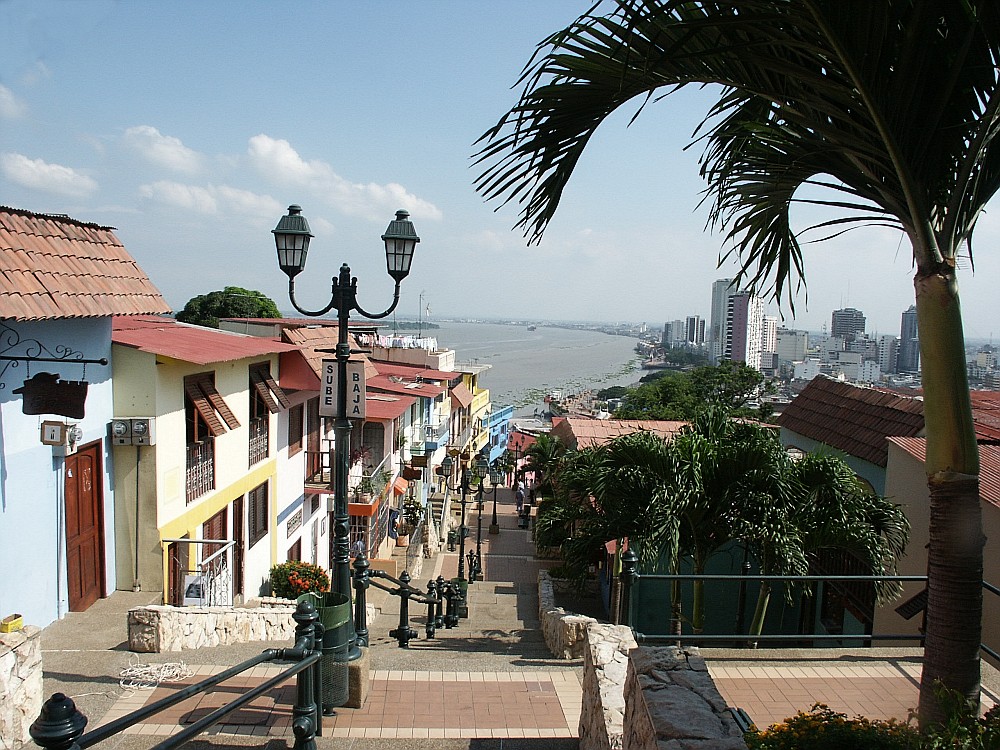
column 482, row 467
column 446, row 464
column 400, row 241
column 291, row 238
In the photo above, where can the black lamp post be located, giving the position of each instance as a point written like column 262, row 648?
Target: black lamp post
column 464, row 486
column 291, row 238
column 496, row 482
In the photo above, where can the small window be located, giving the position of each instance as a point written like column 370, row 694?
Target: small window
column 257, row 522
column 295, row 429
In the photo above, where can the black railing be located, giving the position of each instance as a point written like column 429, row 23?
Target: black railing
column 200, row 474
column 630, row 575
column 60, row 725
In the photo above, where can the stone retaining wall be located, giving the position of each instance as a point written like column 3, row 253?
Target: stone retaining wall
column 160, row 628
column 20, row 685
column 565, row 632
column 671, row 702
column 605, row 667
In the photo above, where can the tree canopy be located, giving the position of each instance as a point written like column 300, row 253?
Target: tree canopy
column 683, row 395
column 231, row 302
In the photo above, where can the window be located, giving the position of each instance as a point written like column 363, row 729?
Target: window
column 259, row 516
column 206, row 413
column 295, row 415
column 295, row 551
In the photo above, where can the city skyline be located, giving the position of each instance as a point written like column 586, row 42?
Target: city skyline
column 193, row 138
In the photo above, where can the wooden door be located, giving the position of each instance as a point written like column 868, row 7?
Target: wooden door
column 239, row 546
column 84, row 527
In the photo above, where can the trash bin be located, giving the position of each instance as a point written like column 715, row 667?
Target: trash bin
column 334, row 613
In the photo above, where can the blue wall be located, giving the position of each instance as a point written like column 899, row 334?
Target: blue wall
column 32, row 507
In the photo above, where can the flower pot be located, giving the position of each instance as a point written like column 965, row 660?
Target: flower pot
column 402, row 540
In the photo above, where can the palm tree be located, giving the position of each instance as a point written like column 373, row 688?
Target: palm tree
column 543, row 457
column 890, row 105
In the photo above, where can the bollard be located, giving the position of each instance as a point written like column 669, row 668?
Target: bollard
column 473, row 566
column 451, row 613
column 432, row 602
column 361, row 578
column 404, row 632
column 439, row 609
column 59, row 724
column 305, row 713
column 628, row 577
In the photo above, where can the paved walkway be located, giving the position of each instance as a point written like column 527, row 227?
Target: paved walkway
column 488, row 683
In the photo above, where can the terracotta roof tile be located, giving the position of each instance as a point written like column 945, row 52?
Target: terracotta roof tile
column 583, row 433
column 853, row 419
column 57, row 267
column 323, row 336
column 989, row 465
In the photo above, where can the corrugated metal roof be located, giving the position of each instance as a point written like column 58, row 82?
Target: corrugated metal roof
column 989, row 465
column 188, row 343
column 462, row 395
column 986, row 414
column 57, row 267
column 386, row 405
column 393, row 384
column 851, row 418
column 412, row 371
column 578, row 433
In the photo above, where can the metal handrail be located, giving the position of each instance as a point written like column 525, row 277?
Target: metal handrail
column 60, row 725
column 630, row 575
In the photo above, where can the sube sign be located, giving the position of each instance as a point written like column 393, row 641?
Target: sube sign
column 355, row 389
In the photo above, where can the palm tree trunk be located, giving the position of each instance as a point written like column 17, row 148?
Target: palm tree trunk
column 757, row 624
column 955, row 550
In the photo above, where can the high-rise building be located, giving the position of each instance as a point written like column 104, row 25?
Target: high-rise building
column 769, row 334
column 695, row 330
column 888, row 350
column 847, row 324
column 721, row 289
column 791, row 345
column 744, row 324
column 908, row 359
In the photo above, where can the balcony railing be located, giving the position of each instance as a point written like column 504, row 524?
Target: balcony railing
column 200, row 476
column 259, row 437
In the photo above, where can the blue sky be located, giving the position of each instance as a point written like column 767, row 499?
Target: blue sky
column 191, row 126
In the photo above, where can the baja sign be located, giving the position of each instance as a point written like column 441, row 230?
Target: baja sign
column 355, row 389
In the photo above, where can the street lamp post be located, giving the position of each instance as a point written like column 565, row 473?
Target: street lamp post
column 496, row 479
column 291, row 238
column 464, row 486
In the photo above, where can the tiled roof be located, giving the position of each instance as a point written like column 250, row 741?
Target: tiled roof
column 584, row 433
column 853, row 419
column 986, row 414
column 188, row 343
column 56, row 267
column 322, row 337
column 989, row 465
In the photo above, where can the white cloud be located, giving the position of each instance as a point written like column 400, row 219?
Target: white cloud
column 278, row 160
column 11, row 107
column 163, row 150
column 40, row 175
column 211, row 199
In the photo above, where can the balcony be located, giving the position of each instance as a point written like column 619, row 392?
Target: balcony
column 435, row 434
column 259, row 439
column 200, row 475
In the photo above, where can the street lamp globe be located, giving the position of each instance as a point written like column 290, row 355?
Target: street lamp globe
column 400, row 242
column 291, row 238
column 482, row 467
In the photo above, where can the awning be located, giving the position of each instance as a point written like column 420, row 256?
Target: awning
column 274, row 398
column 400, row 486
column 210, row 405
column 462, row 395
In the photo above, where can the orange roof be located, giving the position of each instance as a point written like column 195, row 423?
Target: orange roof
column 190, row 343
column 577, row 433
column 413, row 371
column 989, row 465
column 852, row 418
column 386, row 406
column 986, row 414
column 324, row 336
column 53, row 267
column 461, row 394
column 396, row 384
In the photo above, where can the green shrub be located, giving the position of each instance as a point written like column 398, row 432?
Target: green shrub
column 292, row 578
column 824, row 729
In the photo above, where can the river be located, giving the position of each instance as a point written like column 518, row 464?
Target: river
column 526, row 365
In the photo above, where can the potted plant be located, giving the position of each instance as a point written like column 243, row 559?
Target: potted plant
column 293, row 578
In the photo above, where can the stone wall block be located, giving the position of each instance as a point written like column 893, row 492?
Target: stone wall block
column 157, row 629
column 20, row 685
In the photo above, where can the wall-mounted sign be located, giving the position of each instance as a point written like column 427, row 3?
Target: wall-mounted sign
column 45, row 393
column 53, row 433
column 294, row 523
column 355, row 389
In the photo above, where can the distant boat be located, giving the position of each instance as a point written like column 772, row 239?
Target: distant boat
column 532, row 328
